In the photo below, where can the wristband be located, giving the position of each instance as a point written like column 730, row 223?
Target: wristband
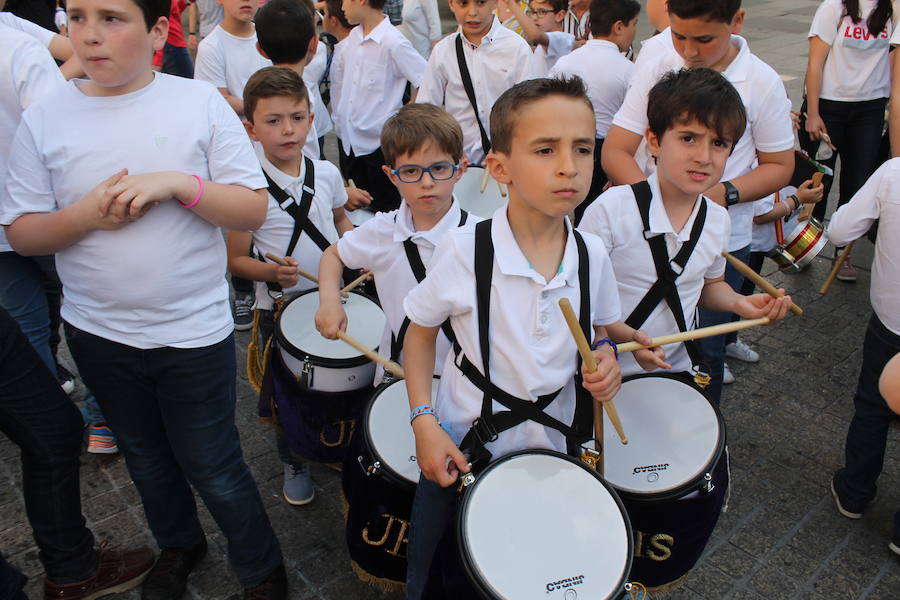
column 199, row 195
column 796, row 200
column 192, row 32
column 422, row 409
column 611, row 343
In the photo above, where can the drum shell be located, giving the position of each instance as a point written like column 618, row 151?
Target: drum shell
column 804, row 243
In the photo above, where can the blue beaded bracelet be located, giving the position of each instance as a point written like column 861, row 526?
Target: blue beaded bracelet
column 423, row 409
column 606, row 340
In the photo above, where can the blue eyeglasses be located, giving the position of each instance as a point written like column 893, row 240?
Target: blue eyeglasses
column 413, row 173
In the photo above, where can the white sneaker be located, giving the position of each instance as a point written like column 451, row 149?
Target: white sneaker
column 741, row 351
column 727, row 377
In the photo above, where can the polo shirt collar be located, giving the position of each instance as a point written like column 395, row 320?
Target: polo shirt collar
column 378, row 33
column 601, row 43
column 659, row 219
column 739, row 69
column 404, row 229
column 488, row 37
column 282, row 179
column 511, row 261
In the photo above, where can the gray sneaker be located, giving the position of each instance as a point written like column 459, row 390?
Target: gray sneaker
column 298, row 486
column 243, row 313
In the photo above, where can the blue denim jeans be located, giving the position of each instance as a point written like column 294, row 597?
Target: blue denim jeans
column 714, row 347
column 39, row 418
column 172, row 410
column 177, row 61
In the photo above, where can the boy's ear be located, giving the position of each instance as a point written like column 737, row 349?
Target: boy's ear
column 159, row 32
column 653, row 143
column 737, row 22
column 560, row 16
column 387, row 171
column 311, row 48
column 250, row 132
column 495, row 163
column 261, row 51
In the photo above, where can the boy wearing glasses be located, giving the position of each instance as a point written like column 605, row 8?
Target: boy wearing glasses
column 542, row 25
column 423, row 146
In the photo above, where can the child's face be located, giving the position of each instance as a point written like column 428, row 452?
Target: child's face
column 475, row 17
column 353, row 10
column 240, row 10
column 544, row 17
column 281, row 124
column 690, row 158
column 628, row 34
column 703, row 43
column 550, row 164
column 427, row 197
column 112, row 43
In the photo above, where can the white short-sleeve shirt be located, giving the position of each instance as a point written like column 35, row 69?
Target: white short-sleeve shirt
column 531, row 350
column 44, row 36
column 211, row 14
column 312, row 75
column 377, row 245
column 228, row 61
column 654, row 47
column 615, row 218
column 606, row 87
column 856, row 68
column 768, row 109
column 275, row 234
column 160, row 280
column 560, row 44
column 421, row 24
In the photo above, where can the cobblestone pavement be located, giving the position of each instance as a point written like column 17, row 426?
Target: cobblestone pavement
column 787, row 417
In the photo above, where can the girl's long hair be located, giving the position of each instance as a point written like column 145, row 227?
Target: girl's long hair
column 877, row 19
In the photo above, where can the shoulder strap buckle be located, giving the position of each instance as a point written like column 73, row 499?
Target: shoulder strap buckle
column 485, row 431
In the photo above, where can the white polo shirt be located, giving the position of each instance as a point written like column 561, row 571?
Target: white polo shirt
column 377, row 245
column 560, row 44
column 654, row 47
column 532, row 352
column 44, row 36
column 606, row 87
column 502, row 60
column 877, row 199
column 312, row 75
column 227, row 61
column 275, row 234
column 368, row 76
column 615, row 218
column 769, row 127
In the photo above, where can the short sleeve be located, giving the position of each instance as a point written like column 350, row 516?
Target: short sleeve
column 560, row 43
column 763, row 205
column 606, row 306
column 853, row 220
column 29, row 188
column 717, row 268
column 431, row 89
column 772, row 128
column 409, row 62
column 826, row 21
column 210, row 64
column 598, row 220
column 439, row 295
column 632, row 115
column 357, row 248
column 231, row 158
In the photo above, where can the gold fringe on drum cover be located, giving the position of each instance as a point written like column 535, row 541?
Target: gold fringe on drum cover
column 386, row 585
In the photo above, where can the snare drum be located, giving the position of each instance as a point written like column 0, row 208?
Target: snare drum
column 539, row 524
column 805, row 242
column 671, row 476
column 471, row 199
column 324, row 365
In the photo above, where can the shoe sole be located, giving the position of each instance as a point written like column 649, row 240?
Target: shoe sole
column 293, row 502
column 841, row 509
column 894, row 548
column 846, row 279
column 243, row 327
column 119, row 588
column 114, row 450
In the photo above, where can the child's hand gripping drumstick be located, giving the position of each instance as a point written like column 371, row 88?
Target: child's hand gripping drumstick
column 807, row 210
column 759, row 280
column 590, row 364
column 301, row 272
column 695, row 334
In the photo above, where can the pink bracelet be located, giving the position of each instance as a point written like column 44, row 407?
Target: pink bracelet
column 199, row 195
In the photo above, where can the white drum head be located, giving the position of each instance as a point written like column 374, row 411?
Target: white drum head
column 365, row 322
column 536, row 525
column 468, row 192
column 389, row 433
column 673, row 436
column 360, row 216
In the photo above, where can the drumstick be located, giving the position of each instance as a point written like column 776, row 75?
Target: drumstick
column 355, row 283
column 591, row 365
column 503, row 190
column 825, row 137
column 806, row 213
column 484, row 181
column 759, row 280
column 301, row 272
column 373, row 356
column 837, row 267
column 695, row 334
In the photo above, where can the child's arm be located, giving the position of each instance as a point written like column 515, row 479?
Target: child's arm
column 604, row 383
column 192, row 25
column 805, row 194
column 853, row 220
column 342, row 221
column 617, row 156
column 718, row 295
column 233, row 101
column 649, row 358
column 815, row 67
column 61, row 49
column 773, row 173
column 436, row 454
column 330, row 318
column 243, row 265
column 531, row 31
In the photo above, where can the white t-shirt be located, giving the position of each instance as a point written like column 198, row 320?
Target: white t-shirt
column 654, row 47
column 377, row 245
column 606, row 87
column 275, row 234
column 857, row 65
column 44, row 36
column 421, row 24
column 27, row 74
column 312, row 75
column 769, row 127
column 615, row 218
column 211, row 14
column 877, row 199
column 531, row 350
column 160, row 280
column 228, row 61
column 560, row 44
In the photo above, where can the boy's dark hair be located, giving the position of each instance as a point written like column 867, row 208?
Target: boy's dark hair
column 557, row 5
column 153, row 10
column 376, row 4
column 336, row 10
column 270, row 82
column 506, row 110
column 708, row 10
column 605, row 13
column 284, row 29
column 416, row 124
column 701, row 95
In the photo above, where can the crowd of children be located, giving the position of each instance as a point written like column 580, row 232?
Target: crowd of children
column 626, row 184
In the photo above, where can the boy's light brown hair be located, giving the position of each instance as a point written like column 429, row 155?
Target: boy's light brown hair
column 270, row 82
column 414, row 125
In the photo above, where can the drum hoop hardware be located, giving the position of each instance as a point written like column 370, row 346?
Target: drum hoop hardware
column 707, row 486
column 590, row 456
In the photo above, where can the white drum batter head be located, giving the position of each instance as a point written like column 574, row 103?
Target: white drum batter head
column 468, row 193
column 388, row 433
column 675, row 437
column 540, row 525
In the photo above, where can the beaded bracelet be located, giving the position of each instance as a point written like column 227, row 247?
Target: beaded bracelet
column 422, row 409
column 611, row 343
column 199, row 195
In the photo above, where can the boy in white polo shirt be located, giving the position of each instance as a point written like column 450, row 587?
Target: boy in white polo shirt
column 542, row 27
column 613, row 25
column 131, row 200
column 469, row 69
column 763, row 159
column 369, row 72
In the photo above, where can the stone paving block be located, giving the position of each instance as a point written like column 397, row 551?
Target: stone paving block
column 773, row 584
column 833, row 585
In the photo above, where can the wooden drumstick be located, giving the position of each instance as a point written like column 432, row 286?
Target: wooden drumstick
column 355, row 283
column 503, row 190
column 484, row 181
column 695, row 334
column 373, row 356
column 759, row 280
column 587, row 357
column 837, row 267
column 301, row 272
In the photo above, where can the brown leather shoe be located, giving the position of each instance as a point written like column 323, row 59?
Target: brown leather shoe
column 117, row 571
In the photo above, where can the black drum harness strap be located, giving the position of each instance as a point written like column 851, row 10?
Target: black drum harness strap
column 470, row 92
column 418, row 269
column 487, row 427
column 665, row 288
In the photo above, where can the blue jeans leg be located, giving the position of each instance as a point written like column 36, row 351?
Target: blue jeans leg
column 172, row 410
column 23, row 295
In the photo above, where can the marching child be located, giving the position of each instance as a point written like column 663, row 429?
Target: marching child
column 131, row 200
column 279, row 118
column 542, row 26
column 469, row 69
column 422, row 145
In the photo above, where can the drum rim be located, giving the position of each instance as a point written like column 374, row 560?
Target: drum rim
column 721, row 443
column 472, row 571
column 321, row 361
